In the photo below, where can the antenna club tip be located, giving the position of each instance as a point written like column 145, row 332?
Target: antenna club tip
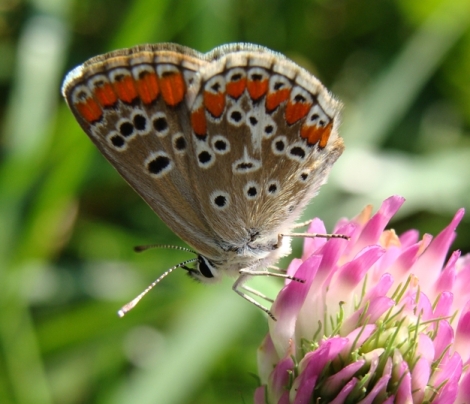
column 121, row 313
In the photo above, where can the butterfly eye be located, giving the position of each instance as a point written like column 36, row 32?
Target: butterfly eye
column 205, row 267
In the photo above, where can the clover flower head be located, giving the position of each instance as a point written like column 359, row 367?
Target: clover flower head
column 380, row 318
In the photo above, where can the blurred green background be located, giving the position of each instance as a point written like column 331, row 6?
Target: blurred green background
column 68, row 222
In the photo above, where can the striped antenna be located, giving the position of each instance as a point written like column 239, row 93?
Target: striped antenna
column 141, row 248
column 129, row 306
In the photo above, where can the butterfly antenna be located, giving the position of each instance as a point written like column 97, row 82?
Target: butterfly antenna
column 141, row 248
column 129, row 306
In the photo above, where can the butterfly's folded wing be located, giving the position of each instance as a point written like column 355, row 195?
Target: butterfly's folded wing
column 132, row 105
column 226, row 147
column 270, row 134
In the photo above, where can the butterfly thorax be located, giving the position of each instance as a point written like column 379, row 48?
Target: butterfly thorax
column 255, row 255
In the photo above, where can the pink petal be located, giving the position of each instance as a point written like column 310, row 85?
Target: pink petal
column 429, row 265
column 357, row 337
column 279, row 379
column 313, row 365
column 339, row 224
column 419, row 379
column 425, row 349
column 288, row 303
column 260, row 395
column 379, row 388
column 409, row 238
column 411, row 254
column 335, row 383
column 447, row 394
column 444, row 337
column 378, row 307
column 464, row 390
column 449, row 371
column 461, row 289
column 267, row 359
column 314, row 306
column 376, row 225
column 444, row 305
column 374, row 363
column 404, row 394
column 312, row 244
column 284, row 398
column 446, row 279
column 423, row 307
column 353, row 272
column 381, row 288
column 388, row 368
column 292, row 269
column 451, row 374
column 387, row 261
column 462, row 335
column 406, row 260
column 331, row 253
column 345, row 391
column 375, row 309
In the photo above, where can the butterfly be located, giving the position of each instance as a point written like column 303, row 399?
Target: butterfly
column 226, row 147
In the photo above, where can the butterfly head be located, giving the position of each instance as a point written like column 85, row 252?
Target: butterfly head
column 204, row 271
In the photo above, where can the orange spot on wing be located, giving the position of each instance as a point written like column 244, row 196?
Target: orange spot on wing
column 235, row 88
column 105, row 95
column 257, row 88
column 147, row 87
column 215, row 103
column 296, row 111
column 325, row 136
column 273, row 100
column 314, row 134
column 311, row 133
column 125, row 89
column 172, row 87
column 198, row 122
column 89, row 110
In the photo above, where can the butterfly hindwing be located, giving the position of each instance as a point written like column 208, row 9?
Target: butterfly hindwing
column 270, row 138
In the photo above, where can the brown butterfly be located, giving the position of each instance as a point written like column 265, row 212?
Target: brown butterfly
column 226, row 147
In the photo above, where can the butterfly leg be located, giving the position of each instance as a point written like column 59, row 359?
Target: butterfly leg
column 303, row 224
column 257, row 293
column 275, row 268
column 239, row 285
column 274, row 274
column 309, row 235
column 245, row 273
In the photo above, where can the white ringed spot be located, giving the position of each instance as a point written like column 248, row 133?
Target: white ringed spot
column 179, row 143
column 297, row 151
column 160, row 124
column 158, row 164
column 236, row 116
column 220, row 144
column 273, row 187
column 251, row 190
column 126, row 128
column 116, row 141
column 246, row 164
column 279, row 145
column 219, row 200
column 140, row 121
